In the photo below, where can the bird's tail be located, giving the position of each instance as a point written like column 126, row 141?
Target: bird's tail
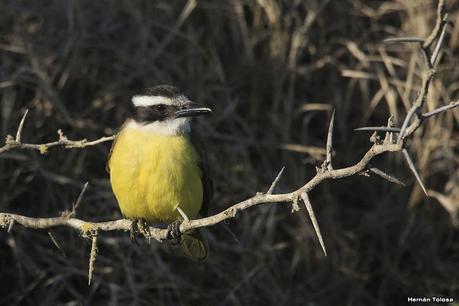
column 194, row 245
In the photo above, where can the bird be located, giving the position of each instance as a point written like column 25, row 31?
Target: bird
column 158, row 165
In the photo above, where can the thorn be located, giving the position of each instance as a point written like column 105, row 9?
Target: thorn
column 386, row 176
column 10, row 226
column 407, row 120
column 276, row 180
column 440, row 109
column 92, row 257
column 78, row 201
column 407, row 39
column 378, row 129
column 434, row 56
column 230, row 232
column 308, row 205
column 182, row 213
column 21, row 125
column 329, row 146
column 56, row 244
column 413, row 169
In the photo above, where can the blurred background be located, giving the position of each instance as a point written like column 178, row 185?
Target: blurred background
column 272, row 71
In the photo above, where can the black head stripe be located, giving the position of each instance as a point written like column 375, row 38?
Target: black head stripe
column 160, row 112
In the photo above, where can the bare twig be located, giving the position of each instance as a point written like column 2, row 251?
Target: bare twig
column 436, row 30
column 15, row 143
column 276, row 180
column 66, row 143
column 434, row 56
column 436, row 34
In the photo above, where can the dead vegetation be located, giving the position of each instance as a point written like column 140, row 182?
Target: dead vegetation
column 273, row 71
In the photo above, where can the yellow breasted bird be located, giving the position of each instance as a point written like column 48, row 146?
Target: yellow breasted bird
column 158, row 165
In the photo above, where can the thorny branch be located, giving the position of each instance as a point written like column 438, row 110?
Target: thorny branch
column 393, row 142
column 15, row 143
column 160, row 234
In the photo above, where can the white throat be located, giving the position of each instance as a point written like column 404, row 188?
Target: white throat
column 170, row 127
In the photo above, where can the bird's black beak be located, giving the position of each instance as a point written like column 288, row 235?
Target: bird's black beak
column 192, row 110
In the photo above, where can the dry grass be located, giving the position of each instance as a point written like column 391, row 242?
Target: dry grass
column 272, row 71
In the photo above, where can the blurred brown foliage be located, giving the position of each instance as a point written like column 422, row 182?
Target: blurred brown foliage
column 271, row 70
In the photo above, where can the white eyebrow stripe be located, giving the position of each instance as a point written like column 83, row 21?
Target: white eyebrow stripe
column 150, row 100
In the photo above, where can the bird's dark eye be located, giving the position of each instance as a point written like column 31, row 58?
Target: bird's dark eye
column 161, row 107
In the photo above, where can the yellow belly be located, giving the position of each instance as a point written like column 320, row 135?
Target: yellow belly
column 152, row 175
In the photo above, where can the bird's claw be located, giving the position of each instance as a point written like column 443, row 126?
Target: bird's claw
column 138, row 227
column 173, row 232
column 134, row 230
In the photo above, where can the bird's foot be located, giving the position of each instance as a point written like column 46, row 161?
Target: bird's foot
column 173, row 232
column 134, row 231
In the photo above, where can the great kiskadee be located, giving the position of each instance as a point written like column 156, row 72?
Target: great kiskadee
column 158, row 166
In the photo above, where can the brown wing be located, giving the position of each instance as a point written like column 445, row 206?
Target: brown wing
column 107, row 165
column 207, row 182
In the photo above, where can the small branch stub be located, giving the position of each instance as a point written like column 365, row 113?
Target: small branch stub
column 92, row 257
